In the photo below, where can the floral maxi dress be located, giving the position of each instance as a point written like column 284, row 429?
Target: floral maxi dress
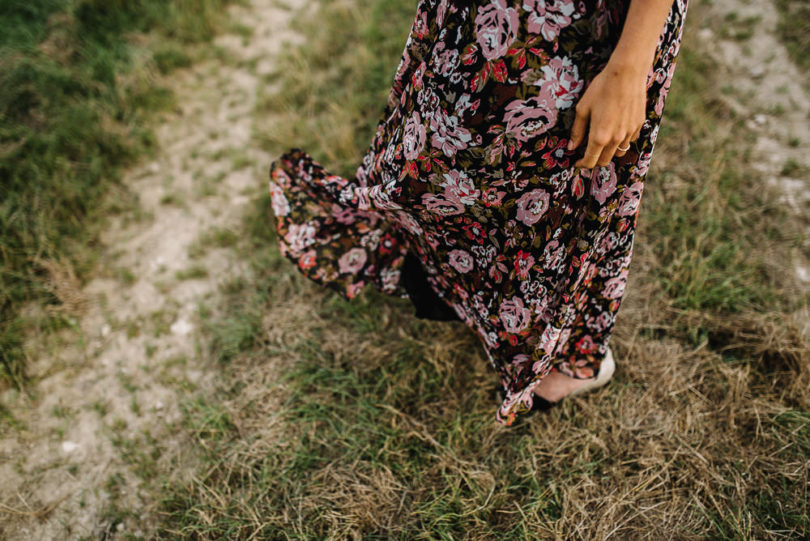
column 468, row 189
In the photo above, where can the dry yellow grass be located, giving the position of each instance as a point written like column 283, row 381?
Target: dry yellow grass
column 357, row 421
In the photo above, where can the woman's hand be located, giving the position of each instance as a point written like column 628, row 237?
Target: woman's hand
column 613, row 109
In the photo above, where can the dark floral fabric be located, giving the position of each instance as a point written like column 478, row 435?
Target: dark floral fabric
column 468, row 172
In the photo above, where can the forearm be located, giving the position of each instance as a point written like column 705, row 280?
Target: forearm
column 635, row 50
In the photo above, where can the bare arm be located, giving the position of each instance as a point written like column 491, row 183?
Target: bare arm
column 613, row 107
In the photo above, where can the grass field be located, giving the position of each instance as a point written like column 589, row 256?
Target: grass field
column 78, row 82
column 794, row 28
column 340, row 419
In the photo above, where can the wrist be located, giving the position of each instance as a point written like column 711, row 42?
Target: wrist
column 630, row 64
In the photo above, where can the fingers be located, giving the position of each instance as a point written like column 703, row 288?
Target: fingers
column 598, row 139
column 637, row 133
column 624, row 145
column 603, row 144
column 603, row 147
column 607, row 153
column 593, row 152
column 581, row 119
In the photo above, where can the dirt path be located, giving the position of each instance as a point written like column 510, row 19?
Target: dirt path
column 766, row 87
column 86, row 435
column 84, row 439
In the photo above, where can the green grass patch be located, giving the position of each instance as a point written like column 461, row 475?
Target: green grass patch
column 77, row 92
column 794, row 29
column 342, row 420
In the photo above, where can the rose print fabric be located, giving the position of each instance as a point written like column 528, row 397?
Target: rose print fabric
column 468, row 181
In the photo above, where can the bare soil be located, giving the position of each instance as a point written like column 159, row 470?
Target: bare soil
column 767, row 87
column 80, row 440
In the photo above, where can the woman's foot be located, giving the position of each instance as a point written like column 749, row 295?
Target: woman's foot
column 556, row 386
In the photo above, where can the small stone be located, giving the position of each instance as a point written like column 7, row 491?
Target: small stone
column 706, row 34
column 181, row 327
column 158, row 263
column 760, row 119
column 69, row 446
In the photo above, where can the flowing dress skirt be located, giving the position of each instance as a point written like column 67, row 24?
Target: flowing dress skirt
column 467, row 200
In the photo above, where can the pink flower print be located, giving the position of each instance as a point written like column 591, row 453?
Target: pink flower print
column 421, row 27
column 439, row 204
column 496, row 27
column 440, row 13
column 463, row 105
column 447, row 134
column 555, row 156
column 300, row 236
column 353, row 289
column 380, row 194
column 475, row 232
column 583, row 371
column 460, row 291
column 609, row 242
column 343, row 215
column 414, row 139
column 659, row 106
column 461, row 261
column 514, row 316
column 630, row 199
column 547, row 17
column 520, row 359
column 417, row 79
column 492, row 197
column 644, row 159
column 532, row 206
column 353, row 260
column 560, row 78
column 586, row 344
column 446, row 60
column 390, row 279
column 523, row 264
column 599, row 323
column 387, row 244
column 404, row 62
column 589, row 276
column 281, row 207
column 604, row 320
column 354, row 196
column 562, row 338
column 457, row 185
column 531, row 117
column 553, row 255
column 614, row 287
column 549, row 339
column 307, row 260
column 480, row 306
column 603, row 182
column 281, row 178
column 406, row 220
column 428, row 102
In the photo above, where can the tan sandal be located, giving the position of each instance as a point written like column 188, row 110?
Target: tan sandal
column 606, row 370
